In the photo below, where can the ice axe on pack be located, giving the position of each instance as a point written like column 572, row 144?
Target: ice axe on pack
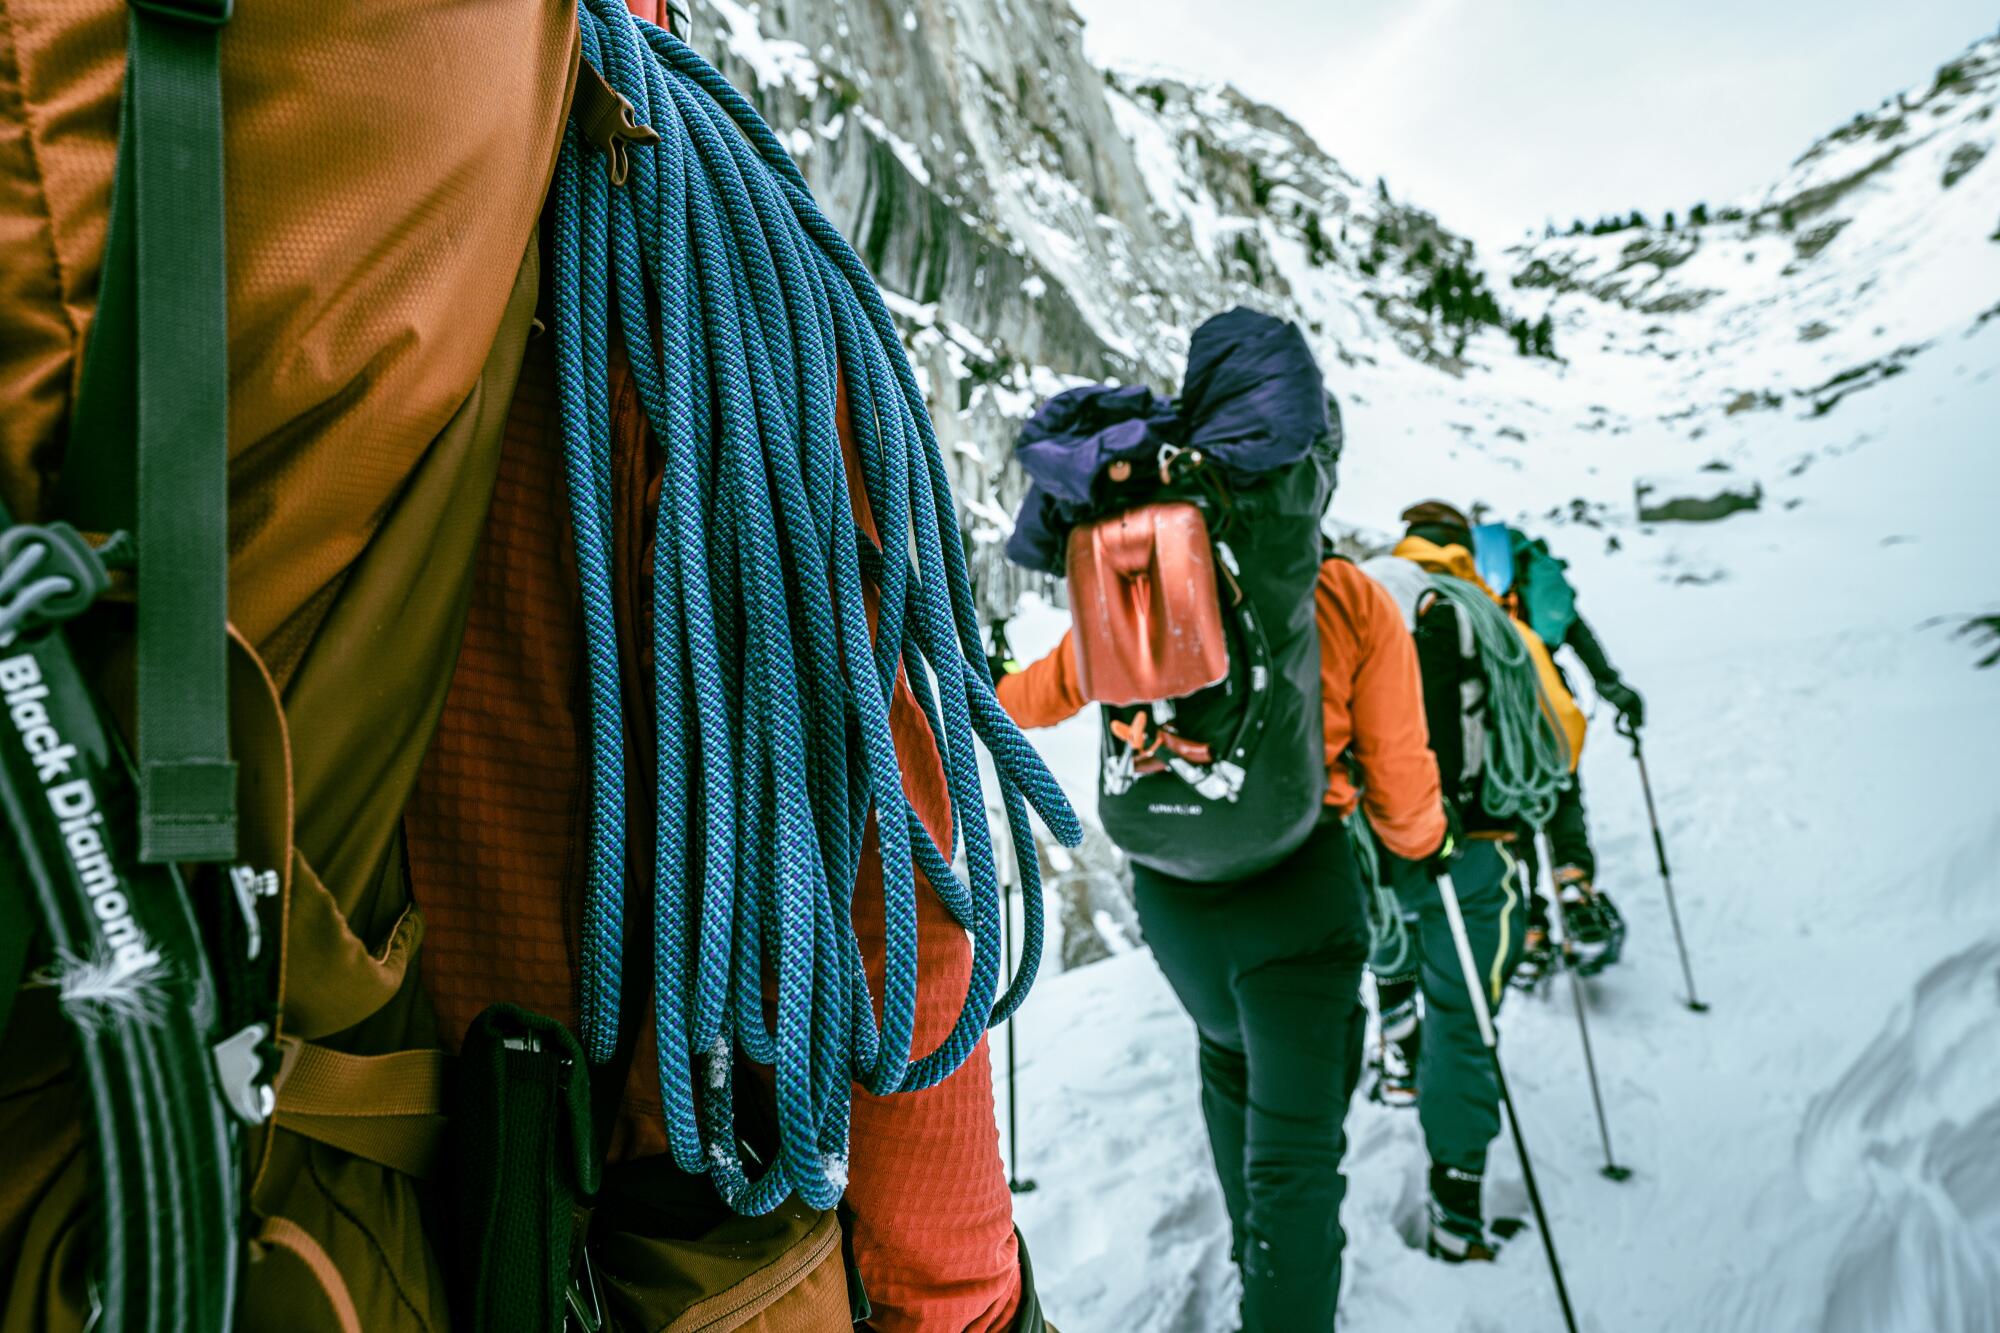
column 1631, row 733
column 1482, row 1012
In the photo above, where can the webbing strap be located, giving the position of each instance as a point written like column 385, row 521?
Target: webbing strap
column 388, row 1109
column 149, row 445
column 320, row 1081
column 284, row 1234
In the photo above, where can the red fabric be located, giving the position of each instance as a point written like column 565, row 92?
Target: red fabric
column 933, row 1221
column 494, row 857
column 496, row 865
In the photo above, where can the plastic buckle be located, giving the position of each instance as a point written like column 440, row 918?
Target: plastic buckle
column 239, row 1068
column 68, row 575
column 252, row 885
column 199, row 13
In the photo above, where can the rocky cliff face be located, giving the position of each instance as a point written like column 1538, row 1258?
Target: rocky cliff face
column 1039, row 222
column 1043, row 222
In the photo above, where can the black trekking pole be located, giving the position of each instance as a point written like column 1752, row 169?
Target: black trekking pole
column 1631, row 733
column 1016, row 1182
column 1611, row 1169
column 1476, row 987
column 1009, row 880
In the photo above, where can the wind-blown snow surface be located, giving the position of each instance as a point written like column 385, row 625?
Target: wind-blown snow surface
column 1821, row 1151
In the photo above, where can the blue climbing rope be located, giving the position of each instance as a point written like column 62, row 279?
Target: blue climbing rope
column 742, row 314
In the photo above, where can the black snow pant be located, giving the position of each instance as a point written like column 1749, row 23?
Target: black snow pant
column 1269, row 968
column 1569, row 832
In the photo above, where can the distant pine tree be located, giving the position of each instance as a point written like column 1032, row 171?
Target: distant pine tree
column 1426, row 253
column 1522, row 335
column 1317, row 250
column 1577, row 228
column 1543, row 340
column 1787, row 219
column 1260, row 189
column 1698, row 216
column 1638, row 219
column 1668, row 222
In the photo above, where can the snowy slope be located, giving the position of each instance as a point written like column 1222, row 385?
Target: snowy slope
column 1815, row 1153
column 1818, row 1152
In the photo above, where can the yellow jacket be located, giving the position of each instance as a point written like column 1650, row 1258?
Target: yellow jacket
column 1557, row 701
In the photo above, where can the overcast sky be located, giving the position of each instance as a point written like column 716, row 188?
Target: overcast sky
column 1498, row 114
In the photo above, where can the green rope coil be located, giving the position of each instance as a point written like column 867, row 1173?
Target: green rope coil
column 1526, row 764
column 1389, row 952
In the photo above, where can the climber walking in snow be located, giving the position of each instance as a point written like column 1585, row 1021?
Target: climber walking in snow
column 1533, row 585
column 1234, row 667
column 1504, row 732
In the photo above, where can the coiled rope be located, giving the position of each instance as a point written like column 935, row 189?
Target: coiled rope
column 1388, row 929
column 1526, row 764
column 740, row 309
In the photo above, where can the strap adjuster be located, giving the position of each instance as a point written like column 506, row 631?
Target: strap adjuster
column 199, row 13
column 48, row 574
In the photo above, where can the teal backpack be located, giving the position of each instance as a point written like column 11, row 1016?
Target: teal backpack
column 1548, row 602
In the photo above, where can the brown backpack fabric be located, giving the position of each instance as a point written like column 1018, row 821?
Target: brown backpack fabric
column 386, row 165
column 775, row 1274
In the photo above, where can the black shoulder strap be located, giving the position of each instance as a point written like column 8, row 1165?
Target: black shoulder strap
column 149, row 444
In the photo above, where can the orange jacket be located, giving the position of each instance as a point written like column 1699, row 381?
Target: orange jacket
column 1372, row 697
column 1370, row 691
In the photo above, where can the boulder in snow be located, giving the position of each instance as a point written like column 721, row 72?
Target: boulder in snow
column 1093, row 890
column 1695, row 497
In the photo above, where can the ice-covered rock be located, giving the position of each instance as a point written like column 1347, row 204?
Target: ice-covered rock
column 1695, row 497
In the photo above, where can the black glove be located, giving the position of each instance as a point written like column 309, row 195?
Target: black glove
column 1626, row 700
column 1001, row 667
column 1439, row 861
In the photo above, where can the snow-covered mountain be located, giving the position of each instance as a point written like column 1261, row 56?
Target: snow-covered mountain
column 1816, row 1153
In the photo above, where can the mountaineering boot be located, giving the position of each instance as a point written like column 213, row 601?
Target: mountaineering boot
column 1457, row 1234
column 1538, row 952
column 1593, row 929
column 1395, row 1066
column 1394, row 1059
column 1398, row 1001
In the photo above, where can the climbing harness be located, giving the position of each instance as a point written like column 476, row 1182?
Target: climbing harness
column 745, row 318
column 1526, row 761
